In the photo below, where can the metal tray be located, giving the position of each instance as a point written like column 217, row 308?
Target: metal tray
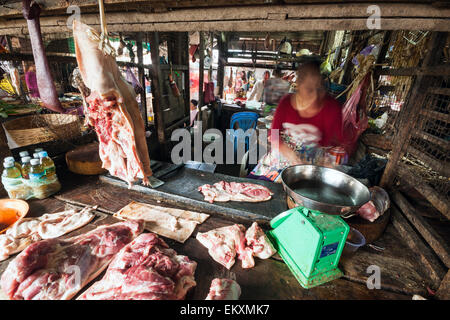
column 326, row 190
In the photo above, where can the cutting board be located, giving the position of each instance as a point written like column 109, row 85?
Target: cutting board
column 85, row 160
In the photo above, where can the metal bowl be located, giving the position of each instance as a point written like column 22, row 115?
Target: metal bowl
column 327, row 190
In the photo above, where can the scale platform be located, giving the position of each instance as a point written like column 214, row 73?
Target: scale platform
column 310, row 243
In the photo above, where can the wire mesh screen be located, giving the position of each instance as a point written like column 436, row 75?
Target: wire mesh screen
column 429, row 146
column 407, row 50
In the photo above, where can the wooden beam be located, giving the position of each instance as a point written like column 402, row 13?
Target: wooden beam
column 408, row 177
column 290, row 18
column 376, row 140
column 435, row 241
column 438, row 166
column 251, row 65
column 441, row 70
column 443, row 293
column 435, row 115
column 422, row 251
column 410, row 112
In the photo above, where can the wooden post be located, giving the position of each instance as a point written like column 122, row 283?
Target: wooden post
column 384, row 46
column 221, row 65
column 141, row 77
column 187, row 77
column 411, row 110
column 201, row 72
column 348, row 63
column 156, row 87
column 443, row 293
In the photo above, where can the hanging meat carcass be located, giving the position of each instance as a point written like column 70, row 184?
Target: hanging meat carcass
column 47, row 89
column 112, row 109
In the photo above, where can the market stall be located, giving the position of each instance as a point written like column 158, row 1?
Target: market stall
column 106, row 170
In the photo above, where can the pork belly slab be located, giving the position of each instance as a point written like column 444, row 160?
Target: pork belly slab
column 145, row 269
column 112, row 109
column 58, row 269
column 48, row 226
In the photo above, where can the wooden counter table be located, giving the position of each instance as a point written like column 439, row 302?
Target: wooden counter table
column 401, row 275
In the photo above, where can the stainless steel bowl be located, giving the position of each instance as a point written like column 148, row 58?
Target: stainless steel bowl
column 326, row 190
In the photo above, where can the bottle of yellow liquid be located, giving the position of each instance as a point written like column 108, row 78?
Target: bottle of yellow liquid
column 10, row 171
column 12, row 180
column 8, row 159
column 47, row 164
column 37, row 173
column 26, row 167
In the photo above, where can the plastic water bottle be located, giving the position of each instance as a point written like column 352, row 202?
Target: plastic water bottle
column 47, row 164
column 23, row 154
column 11, row 159
column 37, row 150
column 37, row 173
column 36, row 155
column 26, row 167
column 10, row 171
column 12, row 180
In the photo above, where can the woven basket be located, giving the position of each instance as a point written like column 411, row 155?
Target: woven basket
column 43, row 128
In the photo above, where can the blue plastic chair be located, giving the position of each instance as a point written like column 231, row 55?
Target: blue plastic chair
column 244, row 121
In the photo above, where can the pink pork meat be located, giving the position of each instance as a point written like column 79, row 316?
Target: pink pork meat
column 146, row 269
column 235, row 191
column 57, row 269
column 224, row 289
column 112, row 109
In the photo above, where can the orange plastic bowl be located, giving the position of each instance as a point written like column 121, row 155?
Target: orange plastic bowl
column 11, row 211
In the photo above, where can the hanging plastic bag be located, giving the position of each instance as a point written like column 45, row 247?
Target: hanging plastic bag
column 325, row 67
column 354, row 116
column 134, row 82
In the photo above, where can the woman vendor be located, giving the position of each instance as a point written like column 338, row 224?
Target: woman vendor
column 303, row 124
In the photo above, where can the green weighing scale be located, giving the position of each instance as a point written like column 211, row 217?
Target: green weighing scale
column 311, row 235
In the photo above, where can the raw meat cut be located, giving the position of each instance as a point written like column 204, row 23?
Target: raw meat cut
column 257, row 240
column 224, row 289
column 368, row 212
column 378, row 204
column 47, row 226
column 235, row 191
column 224, row 243
column 145, row 269
column 57, row 224
column 47, row 91
column 111, row 109
column 172, row 223
column 57, row 269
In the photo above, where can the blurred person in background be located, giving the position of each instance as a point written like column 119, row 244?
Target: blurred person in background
column 257, row 93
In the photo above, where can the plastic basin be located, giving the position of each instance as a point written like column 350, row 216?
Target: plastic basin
column 11, row 211
column 355, row 240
